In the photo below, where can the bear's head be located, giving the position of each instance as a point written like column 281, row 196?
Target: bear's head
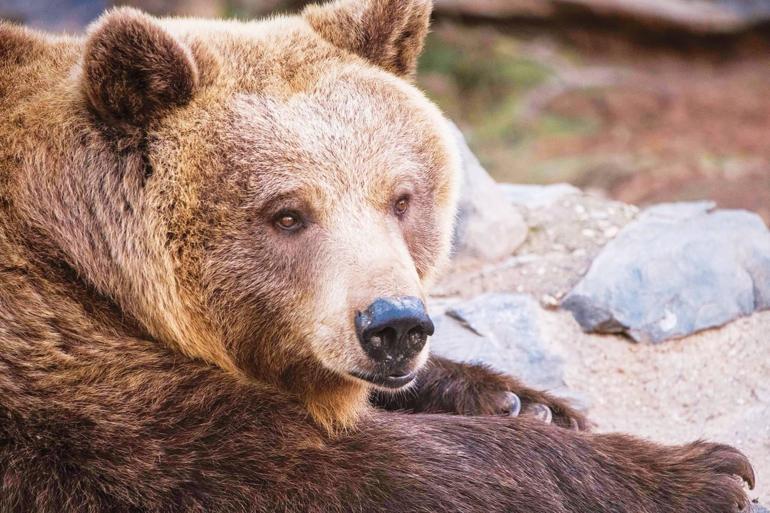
column 272, row 197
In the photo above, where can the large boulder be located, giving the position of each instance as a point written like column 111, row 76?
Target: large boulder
column 489, row 228
column 677, row 269
column 64, row 15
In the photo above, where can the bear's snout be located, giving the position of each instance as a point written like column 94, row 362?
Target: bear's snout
column 392, row 332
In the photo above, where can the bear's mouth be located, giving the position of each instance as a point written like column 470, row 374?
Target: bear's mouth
column 392, row 381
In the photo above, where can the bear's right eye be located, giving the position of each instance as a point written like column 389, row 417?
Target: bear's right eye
column 288, row 221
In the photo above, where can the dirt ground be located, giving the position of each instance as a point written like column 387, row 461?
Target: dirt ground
column 714, row 385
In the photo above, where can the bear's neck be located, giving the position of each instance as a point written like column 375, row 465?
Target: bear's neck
column 335, row 403
column 339, row 409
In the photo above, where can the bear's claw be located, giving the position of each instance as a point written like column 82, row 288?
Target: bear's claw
column 541, row 412
column 512, row 404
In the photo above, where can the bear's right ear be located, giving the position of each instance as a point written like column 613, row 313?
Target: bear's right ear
column 388, row 33
column 133, row 69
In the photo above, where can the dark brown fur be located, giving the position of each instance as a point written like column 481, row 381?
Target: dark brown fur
column 164, row 349
column 150, row 71
column 444, row 386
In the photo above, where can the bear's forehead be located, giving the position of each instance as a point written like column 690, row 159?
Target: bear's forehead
column 345, row 123
column 340, row 119
column 328, row 138
column 285, row 102
column 281, row 53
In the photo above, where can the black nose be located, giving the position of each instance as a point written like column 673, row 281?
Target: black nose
column 393, row 330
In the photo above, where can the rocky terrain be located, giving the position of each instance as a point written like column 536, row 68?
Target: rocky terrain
column 655, row 321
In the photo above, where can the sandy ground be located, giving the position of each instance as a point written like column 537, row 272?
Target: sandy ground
column 714, row 385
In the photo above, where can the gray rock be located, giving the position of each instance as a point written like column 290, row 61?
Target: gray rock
column 488, row 227
column 537, row 196
column 758, row 508
column 502, row 331
column 677, row 269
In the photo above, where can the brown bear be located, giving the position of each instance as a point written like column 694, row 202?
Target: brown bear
column 215, row 243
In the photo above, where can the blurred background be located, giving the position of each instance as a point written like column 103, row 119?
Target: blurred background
column 640, row 100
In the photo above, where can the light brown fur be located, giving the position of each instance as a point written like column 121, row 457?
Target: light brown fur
column 285, row 81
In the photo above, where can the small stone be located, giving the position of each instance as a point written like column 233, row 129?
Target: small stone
column 549, row 301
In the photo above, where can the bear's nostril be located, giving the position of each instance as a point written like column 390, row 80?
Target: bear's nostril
column 386, row 337
column 416, row 337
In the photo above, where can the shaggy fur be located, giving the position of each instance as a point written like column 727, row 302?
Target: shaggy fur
column 166, row 347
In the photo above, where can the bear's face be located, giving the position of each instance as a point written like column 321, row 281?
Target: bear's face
column 296, row 192
column 326, row 201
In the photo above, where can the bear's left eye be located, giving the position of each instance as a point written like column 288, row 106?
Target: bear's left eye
column 401, row 206
column 288, row 221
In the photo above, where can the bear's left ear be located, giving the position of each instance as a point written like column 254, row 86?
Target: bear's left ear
column 388, row 33
column 133, row 69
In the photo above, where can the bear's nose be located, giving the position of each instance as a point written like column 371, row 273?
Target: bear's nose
column 394, row 330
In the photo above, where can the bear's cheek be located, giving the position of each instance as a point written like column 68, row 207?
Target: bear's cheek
column 261, row 294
